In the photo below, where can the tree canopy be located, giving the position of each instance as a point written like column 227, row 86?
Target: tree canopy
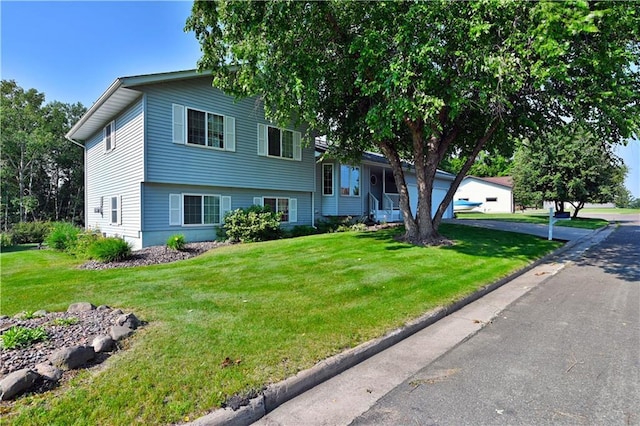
column 42, row 172
column 567, row 165
column 420, row 80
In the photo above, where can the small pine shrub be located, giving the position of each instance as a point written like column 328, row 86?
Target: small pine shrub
column 252, row 224
column 6, row 239
column 30, row 232
column 63, row 236
column 21, row 337
column 176, row 242
column 109, row 249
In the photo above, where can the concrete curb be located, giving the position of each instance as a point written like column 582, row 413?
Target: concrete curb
column 279, row 393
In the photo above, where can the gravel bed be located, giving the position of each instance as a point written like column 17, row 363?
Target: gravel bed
column 90, row 324
column 156, row 255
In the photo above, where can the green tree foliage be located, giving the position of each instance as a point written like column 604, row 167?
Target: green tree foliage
column 486, row 164
column 570, row 165
column 42, row 172
column 420, row 80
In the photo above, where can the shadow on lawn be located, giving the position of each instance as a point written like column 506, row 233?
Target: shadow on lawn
column 472, row 241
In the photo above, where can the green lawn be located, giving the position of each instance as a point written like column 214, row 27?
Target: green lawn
column 541, row 218
column 278, row 306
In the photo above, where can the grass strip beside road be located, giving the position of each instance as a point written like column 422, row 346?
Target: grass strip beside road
column 541, row 219
column 276, row 307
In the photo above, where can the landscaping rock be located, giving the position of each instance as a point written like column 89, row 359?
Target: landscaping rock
column 102, row 344
column 103, row 308
column 72, row 357
column 4, row 317
column 39, row 314
column 117, row 312
column 48, row 371
column 17, row 382
column 80, row 307
column 118, row 332
column 128, row 320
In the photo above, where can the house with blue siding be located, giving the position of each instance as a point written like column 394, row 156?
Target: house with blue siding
column 168, row 153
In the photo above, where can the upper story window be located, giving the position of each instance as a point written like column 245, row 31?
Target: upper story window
column 202, row 128
column 109, row 136
column 327, row 179
column 275, row 142
column 349, row 180
column 205, row 128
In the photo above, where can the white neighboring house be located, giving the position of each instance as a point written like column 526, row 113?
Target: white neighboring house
column 495, row 193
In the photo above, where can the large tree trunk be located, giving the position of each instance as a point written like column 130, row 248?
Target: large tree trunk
column 398, row 176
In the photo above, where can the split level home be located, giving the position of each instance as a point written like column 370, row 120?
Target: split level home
column 169, row 154
column 494, row 193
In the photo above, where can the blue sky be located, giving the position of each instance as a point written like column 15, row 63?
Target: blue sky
column 72, row 51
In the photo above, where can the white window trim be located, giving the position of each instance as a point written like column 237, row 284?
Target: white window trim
column 180, row 128
column 263, row 143
column 112, row 126
column 225, row 206
column 333, row 180
column 350, row 187
column 292, row 203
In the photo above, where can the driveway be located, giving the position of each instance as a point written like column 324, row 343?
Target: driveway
column 562, row 233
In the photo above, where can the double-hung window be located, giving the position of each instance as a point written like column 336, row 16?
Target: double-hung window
column 198, row 209
column 115, row 210
column 203, row 128
column 350, row 181
column 109, row 136
column 282, row 143
column 287, row 207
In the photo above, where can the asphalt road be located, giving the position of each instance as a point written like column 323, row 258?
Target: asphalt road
column 567, row 352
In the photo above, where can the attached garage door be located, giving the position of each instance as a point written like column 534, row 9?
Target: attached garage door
column 438, row 196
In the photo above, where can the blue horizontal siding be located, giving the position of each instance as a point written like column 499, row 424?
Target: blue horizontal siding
column 190, row 165
column 156, row 212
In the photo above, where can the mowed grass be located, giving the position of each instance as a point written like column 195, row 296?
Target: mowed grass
column 276, row 307
column 542, row 219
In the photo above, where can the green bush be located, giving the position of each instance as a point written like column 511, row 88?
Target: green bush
column 109, row 249
column 176, row 242
column 83, row 243
column 302, row 230
column 30, row 232
column 341, row 224
column 6, row 239
column 21, row 337
column 255, row 223
column 63, row 236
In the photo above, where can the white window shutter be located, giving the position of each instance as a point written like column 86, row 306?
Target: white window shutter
column 229, row 133
column 262, row 139
column 175, row 216
column 119, row 209
column 293, row 209
column 225, row 207
column 178, row 124
column 257, row 201
column 297, row 146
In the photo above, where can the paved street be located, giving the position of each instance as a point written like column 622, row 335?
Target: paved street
column 567, row 352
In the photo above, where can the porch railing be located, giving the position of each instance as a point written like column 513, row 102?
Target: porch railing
column 374, row 205
column 391, row 202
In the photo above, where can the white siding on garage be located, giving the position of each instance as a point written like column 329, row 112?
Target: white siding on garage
column 494, row 198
